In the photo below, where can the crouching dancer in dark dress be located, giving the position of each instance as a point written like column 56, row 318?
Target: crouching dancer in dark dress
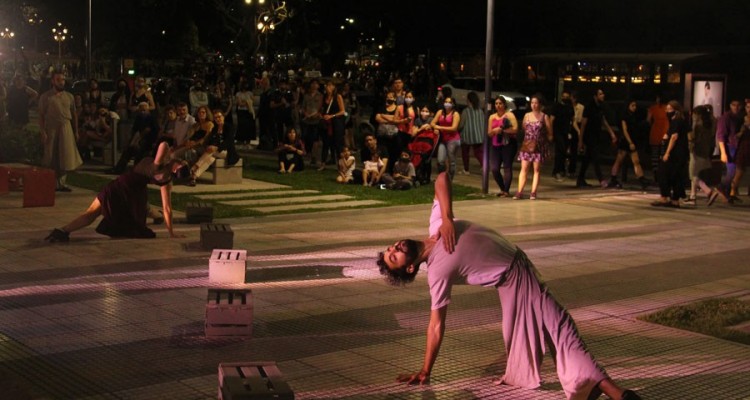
column 123, row 203
column 461, row 251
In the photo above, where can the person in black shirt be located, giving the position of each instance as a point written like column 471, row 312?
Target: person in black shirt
column 588, row 145
column 674, row 160
column 562, row 120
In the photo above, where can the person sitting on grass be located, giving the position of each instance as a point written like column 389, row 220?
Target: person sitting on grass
column 403, row 176
column 290, row 151
column 346, row 166
column 373, row 170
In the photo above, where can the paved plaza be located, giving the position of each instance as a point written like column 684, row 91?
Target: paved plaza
column 98, row 318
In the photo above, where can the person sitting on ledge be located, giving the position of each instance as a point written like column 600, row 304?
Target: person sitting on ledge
column 462, row 251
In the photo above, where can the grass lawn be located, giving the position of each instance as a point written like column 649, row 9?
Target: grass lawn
column 710, row 317
column 264, row 168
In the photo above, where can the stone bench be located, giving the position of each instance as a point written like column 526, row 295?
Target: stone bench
column 224, row 174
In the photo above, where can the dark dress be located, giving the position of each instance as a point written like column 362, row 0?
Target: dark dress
column 124, row 201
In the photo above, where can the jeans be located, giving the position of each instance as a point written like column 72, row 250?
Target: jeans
column 502, row 156
column 448, row 150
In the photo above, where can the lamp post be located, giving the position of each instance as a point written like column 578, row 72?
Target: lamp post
column 59, row 33
column 7, row 35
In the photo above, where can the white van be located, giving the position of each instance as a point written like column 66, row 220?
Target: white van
column 460, row 88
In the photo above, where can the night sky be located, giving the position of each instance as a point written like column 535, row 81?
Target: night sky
column 608, row 25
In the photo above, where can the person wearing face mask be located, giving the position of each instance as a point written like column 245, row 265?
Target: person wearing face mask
column 388, row 121
column 446, row 123
column 404, row 174
column 674, row 160
column 406, row 112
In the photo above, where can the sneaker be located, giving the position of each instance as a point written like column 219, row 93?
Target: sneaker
column 58, row 235
column 518, row 196
column 503, row 194
column 559, row 177
column 583, row 184
column 690, row 201
column 64, row 189
column 533, row 196
column 465, row 172
column 191, row 182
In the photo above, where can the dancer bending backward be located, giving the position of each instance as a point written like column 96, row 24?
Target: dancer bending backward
column 461, row 251
column 123, row 203
column 502, row 128
column 537, row 132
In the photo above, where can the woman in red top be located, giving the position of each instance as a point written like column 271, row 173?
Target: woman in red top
column 445, row 124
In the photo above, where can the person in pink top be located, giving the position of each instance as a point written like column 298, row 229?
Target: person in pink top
column 460, row 251
column 446, row 123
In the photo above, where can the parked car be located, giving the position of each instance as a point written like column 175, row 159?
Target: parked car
column 460, row 87
column 107, row 86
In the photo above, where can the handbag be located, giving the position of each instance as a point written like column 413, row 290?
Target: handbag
column 529, row 146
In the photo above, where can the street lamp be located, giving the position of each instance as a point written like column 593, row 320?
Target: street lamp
column 7, row 34
column 59, row 33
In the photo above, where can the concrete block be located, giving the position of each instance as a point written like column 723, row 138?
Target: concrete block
column 229, row 312
column 216, row 236
column 227, row 266
column 225, row 174
column 251, row 381
column 198, row 212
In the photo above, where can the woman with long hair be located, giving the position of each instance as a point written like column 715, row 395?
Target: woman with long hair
column 446, row 123
column 537, row 132
column 333, row 117
column 502, row 129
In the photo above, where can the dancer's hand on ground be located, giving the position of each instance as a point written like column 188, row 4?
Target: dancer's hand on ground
column 448, row 232
column 418, row 378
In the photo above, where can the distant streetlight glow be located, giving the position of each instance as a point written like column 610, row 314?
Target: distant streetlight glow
column 7, row 34
column 59, row 33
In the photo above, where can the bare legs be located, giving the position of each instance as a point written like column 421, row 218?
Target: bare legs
column 85, row 219
column 522, row 175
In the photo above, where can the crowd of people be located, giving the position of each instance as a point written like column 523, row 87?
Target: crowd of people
column 312, row 122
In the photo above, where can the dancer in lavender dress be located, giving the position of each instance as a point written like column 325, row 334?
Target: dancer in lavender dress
column 461, row 251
